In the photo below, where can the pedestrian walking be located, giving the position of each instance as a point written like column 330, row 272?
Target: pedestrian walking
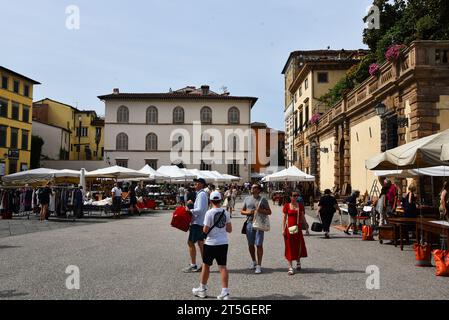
column 133, row 202
column 409, row 203
column 252, row 204
column 217, row 225
column 444, row 202
column 196, row 235
column 116, row 200
column 191, row 196
column 381, row 206
column 352, row 212
column 44, row 200
column 79, row 202
column 228, row 201
column 295, row 246
column 304, row 224
column 326, row 210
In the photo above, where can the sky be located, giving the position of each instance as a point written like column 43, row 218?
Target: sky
column 155, row 45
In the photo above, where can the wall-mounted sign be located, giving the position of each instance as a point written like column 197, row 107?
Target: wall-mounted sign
column 14, row 154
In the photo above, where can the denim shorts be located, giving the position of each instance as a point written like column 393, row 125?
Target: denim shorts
column 196, row 233
column 254, row 237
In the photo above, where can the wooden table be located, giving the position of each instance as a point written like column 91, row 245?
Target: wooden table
column 433, row 228
column 399, row 224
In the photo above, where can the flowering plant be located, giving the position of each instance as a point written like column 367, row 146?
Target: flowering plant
column 315, row 118
column 374, row 69
column 394, row 52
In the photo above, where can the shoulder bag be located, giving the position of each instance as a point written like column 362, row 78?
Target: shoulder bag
column 261, row 221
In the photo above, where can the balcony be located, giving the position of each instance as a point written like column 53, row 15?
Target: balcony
column 420, row 55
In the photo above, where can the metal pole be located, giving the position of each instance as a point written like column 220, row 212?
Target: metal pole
column 79, row 142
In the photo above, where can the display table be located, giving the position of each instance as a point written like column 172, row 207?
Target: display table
column 433, row 227
column 401, row 227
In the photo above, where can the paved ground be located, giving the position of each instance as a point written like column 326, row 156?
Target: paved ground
column 142, row 258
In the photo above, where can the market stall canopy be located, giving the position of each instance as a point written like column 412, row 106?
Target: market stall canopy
column 422, row 153
column 115, row 172
column 292, row 174
column 258, row 175
column 232, row 178
column 39, row 175
column 219, row 177
column 440, row 171
column 445, row 152
column 153, row 174
column 175, row 173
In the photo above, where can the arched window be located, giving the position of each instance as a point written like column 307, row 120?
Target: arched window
column 178, row 115
column 123, row 115
column 206, row 115
column 234, row 116
column 151, row 142
column 122, row 142
column 152, row 115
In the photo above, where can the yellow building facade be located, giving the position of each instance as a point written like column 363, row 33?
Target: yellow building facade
column 16, row 107
column 86, row 128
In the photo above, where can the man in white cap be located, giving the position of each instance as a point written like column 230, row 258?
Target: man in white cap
column 217, row 223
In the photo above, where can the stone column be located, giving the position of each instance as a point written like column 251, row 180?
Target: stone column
column 336, row 157
column 347, row 155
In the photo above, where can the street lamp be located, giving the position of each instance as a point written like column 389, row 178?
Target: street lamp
column 79, row 137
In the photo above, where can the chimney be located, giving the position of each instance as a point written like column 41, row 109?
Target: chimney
column 116, row 91
column 205, row 90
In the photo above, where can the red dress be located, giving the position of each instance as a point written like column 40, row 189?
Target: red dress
column 295, row 246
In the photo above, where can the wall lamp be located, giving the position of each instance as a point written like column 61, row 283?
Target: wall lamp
column 381, row 110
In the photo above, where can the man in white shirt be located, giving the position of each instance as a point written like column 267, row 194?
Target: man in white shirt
column 198, row 212
column 217, row 223
column 116, row 200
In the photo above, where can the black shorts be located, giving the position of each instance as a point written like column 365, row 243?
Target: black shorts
column 219, row 253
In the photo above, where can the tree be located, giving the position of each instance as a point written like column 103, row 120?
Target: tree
column 36, row 151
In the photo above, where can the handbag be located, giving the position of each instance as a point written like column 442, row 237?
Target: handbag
column 441, row 258
column 181, row 219
column 244, row 226
column 317, row 226
column 422, row 255
column 293, row 230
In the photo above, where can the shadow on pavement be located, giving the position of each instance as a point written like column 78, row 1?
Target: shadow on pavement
column 9, row 247
column 328, row 271
column 11, row 294
column 275, row 296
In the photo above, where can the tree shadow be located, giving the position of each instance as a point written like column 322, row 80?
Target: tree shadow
column 12, row 294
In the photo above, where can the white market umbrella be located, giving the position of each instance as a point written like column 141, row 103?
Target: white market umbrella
column 231, row 178
column 38, row 175
column 421, row 153
column 445, row 152
column 439, row 171
column 292, row 174
column 153, row 174
column 175, row 173
column 115, row 172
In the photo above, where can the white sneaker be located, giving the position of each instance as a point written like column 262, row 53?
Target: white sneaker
column 200, row 293
column 258, row 270
column 223, row 296
column 253, row 266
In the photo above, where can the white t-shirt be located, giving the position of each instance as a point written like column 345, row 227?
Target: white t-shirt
column 116, row 192
column 218, row 236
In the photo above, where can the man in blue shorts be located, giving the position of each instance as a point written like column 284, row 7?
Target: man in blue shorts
column 255, row 237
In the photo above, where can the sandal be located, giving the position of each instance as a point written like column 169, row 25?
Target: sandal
column 298, row 267
column 291, row 271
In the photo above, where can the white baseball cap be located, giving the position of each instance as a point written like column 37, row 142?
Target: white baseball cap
column 214, row 196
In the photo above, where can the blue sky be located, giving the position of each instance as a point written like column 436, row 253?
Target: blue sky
column 151, row 46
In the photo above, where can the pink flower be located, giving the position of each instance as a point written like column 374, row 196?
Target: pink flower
column 315, row 118
column 374, row 69
column 394, row 52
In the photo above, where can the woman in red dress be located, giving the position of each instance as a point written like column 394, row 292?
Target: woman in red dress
column 295, row 247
